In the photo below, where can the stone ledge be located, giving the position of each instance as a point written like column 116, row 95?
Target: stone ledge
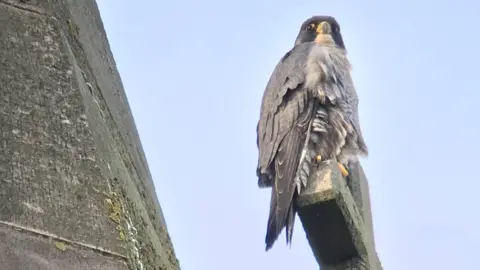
column 332, row 220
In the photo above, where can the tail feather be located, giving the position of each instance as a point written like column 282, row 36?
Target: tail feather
column 290, row 223
column 273, row 229
column 284, row 186
column 282, row 213
column 278, row 220
column 275, row 224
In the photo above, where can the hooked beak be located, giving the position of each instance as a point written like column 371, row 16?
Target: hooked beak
column 324, row 28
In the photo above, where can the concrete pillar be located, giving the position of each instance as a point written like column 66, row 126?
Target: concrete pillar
column 337, row 219
column 75, row 188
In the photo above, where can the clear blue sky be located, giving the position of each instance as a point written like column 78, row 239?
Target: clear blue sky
column 195, row 71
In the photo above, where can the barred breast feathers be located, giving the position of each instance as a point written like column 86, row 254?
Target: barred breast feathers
column 327, row 64
column 329, row 80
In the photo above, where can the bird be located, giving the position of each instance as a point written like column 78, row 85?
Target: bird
column 308, row 115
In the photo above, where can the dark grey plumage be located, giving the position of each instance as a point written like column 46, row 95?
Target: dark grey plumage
column 309, row 108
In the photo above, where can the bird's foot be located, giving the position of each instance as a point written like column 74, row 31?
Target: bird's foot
column 317, row 159
column 342, row 169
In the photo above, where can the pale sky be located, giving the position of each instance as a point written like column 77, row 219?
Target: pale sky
column 195, row 71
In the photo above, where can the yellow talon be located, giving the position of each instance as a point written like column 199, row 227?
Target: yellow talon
column 343, row 170
column 318, row 158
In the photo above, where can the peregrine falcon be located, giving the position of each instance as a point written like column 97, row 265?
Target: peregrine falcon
column 309, row 114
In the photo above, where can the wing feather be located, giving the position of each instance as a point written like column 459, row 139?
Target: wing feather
column 279, row 112
column 287, row 158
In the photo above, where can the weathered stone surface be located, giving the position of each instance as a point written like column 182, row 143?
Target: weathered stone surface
column 360, row 191
column 71, row 162
column 24, row 250
column 333, row 220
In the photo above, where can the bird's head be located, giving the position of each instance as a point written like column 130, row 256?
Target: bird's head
column 321, row 29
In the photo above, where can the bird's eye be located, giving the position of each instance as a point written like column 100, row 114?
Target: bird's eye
column 310, row 27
